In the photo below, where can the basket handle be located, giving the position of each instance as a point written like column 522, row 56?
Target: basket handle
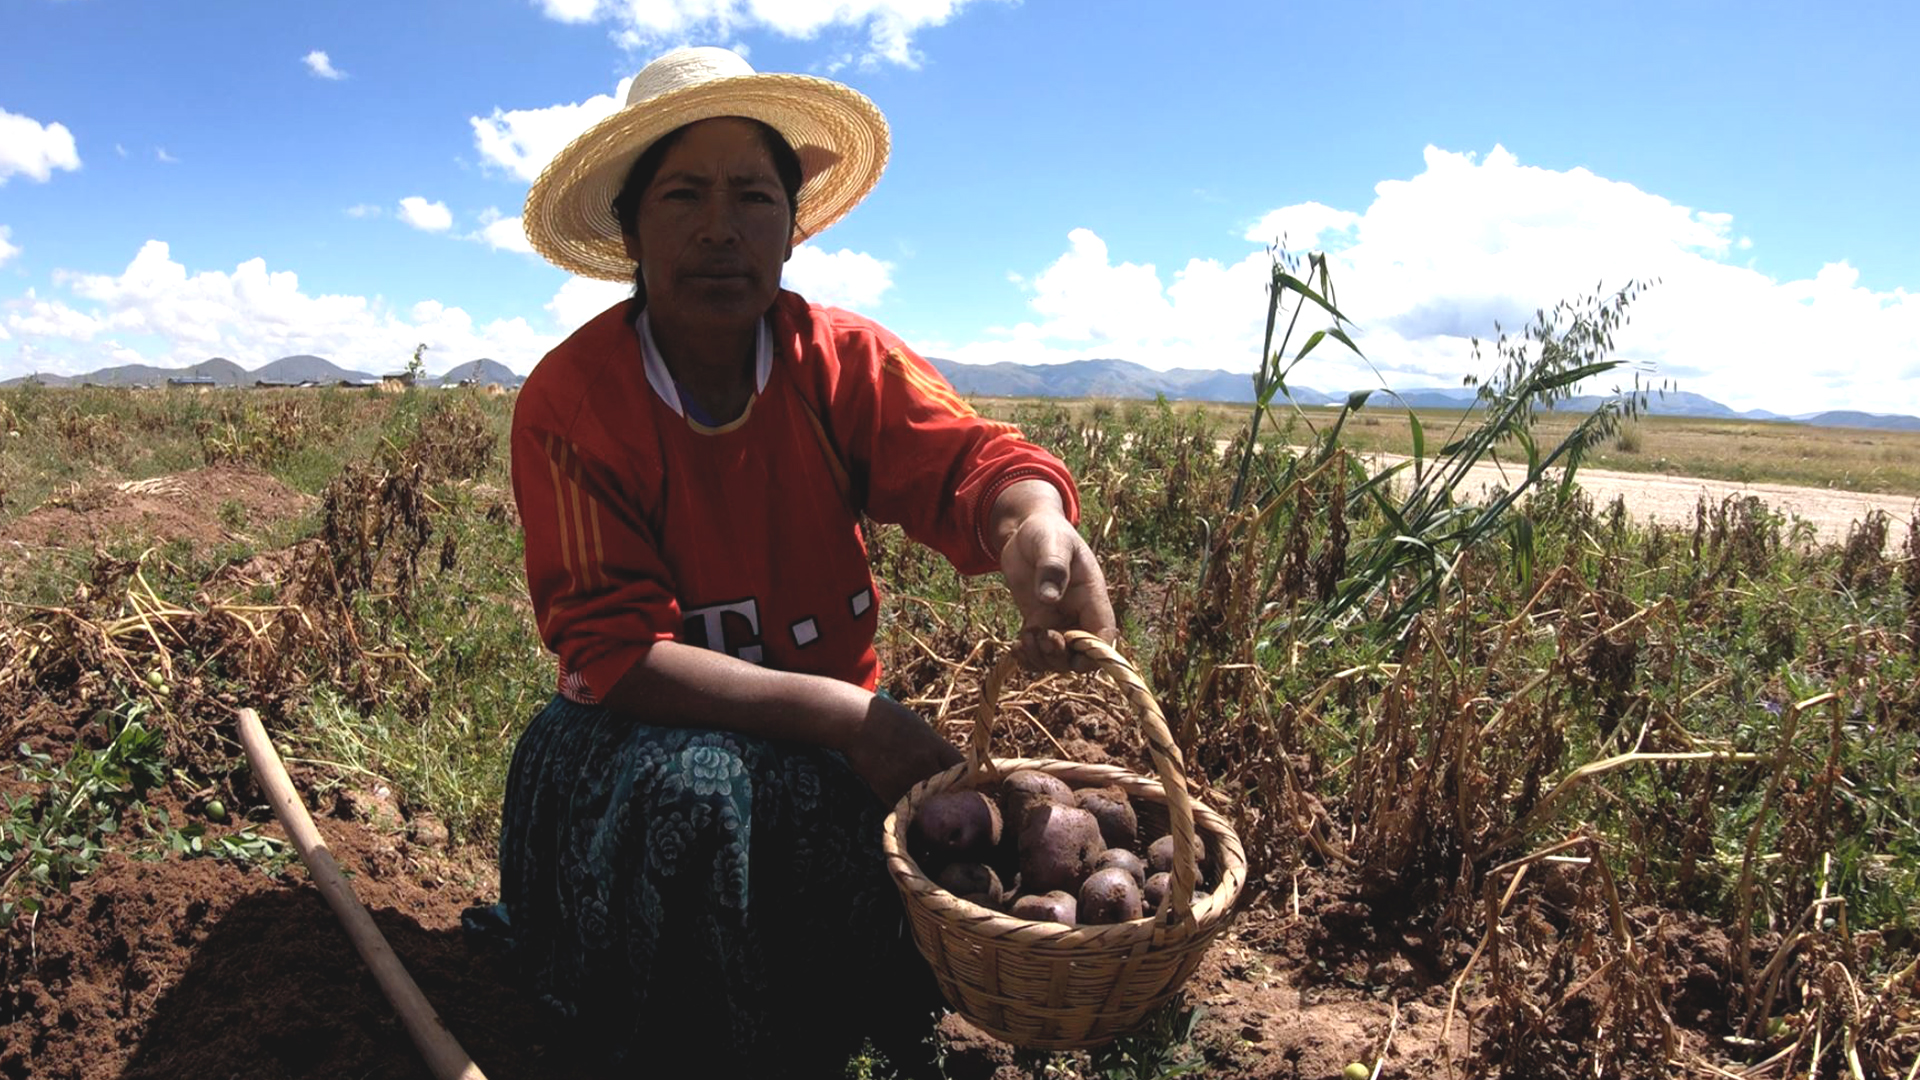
column 1167, row 761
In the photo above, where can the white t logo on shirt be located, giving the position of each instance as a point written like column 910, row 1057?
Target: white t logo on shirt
column 713, row 624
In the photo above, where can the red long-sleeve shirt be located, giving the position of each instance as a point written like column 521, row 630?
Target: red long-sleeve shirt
column 644, row 525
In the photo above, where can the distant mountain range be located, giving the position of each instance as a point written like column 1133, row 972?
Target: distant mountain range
column 1098, row 378
column 1076, row 379
column 1125, row 379
column 288, row 370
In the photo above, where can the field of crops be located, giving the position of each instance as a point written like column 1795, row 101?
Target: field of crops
column 1738, row 451
column 1527, row 789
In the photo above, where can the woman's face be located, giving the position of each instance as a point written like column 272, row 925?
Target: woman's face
column 713, row 228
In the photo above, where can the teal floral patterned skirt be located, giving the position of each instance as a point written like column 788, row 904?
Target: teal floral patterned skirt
column 700, row 899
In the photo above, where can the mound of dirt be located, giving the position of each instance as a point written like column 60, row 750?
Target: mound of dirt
column 201, row 506
column 201, row 968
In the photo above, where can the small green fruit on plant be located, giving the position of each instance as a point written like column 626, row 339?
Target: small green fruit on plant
column 216, row 810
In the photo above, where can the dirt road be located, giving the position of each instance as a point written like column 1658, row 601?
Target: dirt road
column 1670, row 500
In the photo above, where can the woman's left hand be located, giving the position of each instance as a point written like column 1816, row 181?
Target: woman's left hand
column 1052, row 574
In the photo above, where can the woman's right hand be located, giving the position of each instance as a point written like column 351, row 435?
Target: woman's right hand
column 893, row 749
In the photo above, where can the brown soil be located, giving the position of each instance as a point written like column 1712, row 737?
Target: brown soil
column 184, row 506
column 200, row 968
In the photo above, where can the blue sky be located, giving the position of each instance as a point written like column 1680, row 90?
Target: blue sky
column 182, row 180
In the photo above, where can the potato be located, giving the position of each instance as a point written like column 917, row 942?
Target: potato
column 972, row 881
column 1158, row 886
column 1058, row 846
column 1022, row 791
column 958, row 823
column 1160, row 854
column 1055, row 906
column 1119, row 828
column 1121, row 859
column 1109, row 896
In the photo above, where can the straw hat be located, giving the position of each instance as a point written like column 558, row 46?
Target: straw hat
column 839, row 135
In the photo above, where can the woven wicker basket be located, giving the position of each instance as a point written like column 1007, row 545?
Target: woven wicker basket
column 1049, row 986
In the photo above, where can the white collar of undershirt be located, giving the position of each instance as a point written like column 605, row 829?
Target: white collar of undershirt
column 662, row 380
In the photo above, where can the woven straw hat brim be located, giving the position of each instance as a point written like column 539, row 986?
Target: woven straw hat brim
column 840, row 136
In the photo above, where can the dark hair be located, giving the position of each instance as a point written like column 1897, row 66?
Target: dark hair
column 626, row 205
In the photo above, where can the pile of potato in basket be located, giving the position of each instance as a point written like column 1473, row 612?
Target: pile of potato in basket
column 1046, row 852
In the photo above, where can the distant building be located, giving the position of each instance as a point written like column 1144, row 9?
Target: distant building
column 192, row 380
column 397, row 378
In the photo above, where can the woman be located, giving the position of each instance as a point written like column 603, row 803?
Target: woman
column 690, row 856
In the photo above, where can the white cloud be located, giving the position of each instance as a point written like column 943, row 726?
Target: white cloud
column 1437, row 258
column 363, row 210
column 160, row 154
column 32, row 149
column 37, row 318
column 322, row 67
column 1090, row 307
column 571, row 11
column 582, row 298
column 120, row 150
column 426, row 216
column 251, row 314
column 159, row 311
column 522, row 141
column 888, row 26
column 502, row 233
column 844, row 278
column 7, row 250
column 1305, row 226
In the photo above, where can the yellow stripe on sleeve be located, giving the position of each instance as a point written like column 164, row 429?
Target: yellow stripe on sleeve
column 599, row 547
column 933, row 390
column 579, row 531
column 560, row 506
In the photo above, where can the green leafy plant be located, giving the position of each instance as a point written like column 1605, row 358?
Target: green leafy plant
column 417, row 366
column 233, row 514
column 1410, row 562
column 50, row 840
column 245, row 847
column 1160, row 1050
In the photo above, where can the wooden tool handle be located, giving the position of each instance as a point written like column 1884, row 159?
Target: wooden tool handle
column 435, row 1043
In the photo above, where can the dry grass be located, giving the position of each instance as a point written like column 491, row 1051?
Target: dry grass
column 1597, row 762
